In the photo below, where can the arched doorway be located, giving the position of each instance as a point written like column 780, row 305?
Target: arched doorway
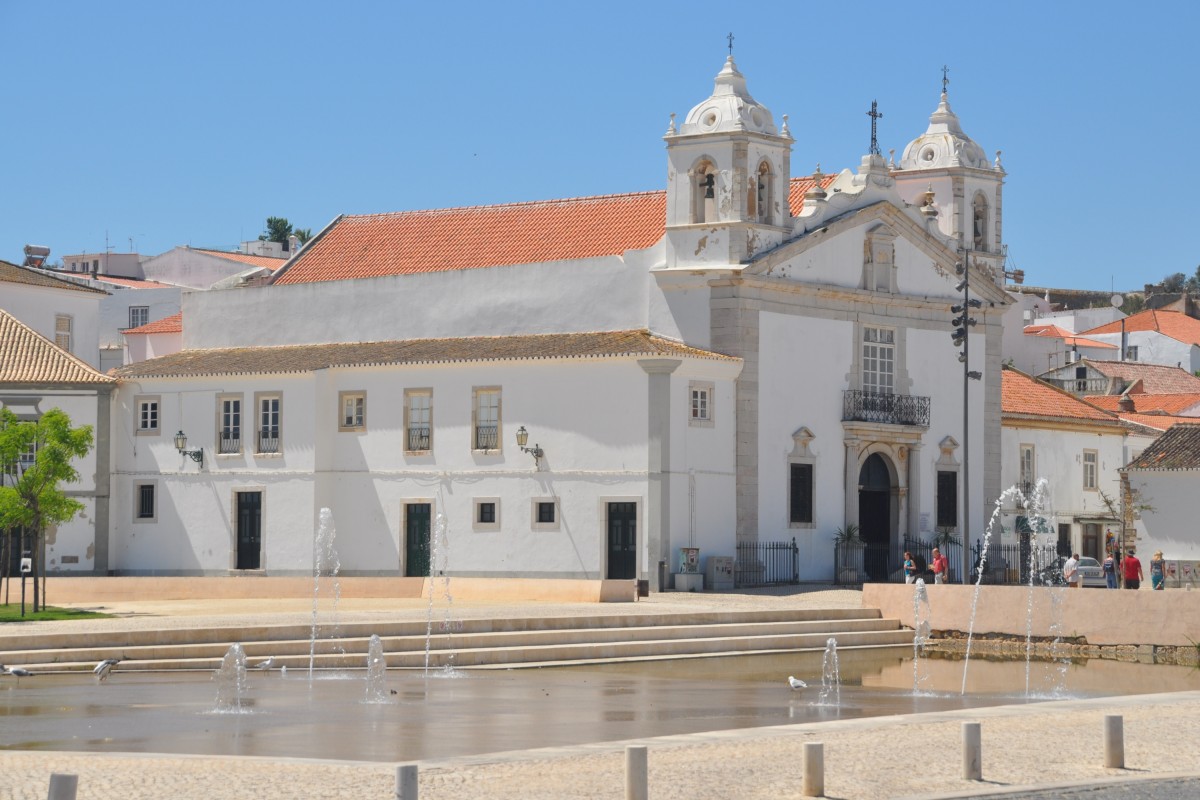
column 875, row 515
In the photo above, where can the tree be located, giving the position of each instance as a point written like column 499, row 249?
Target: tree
column 1192, row 284
column 304, row 234
column 278, row 230
column 1173, row 284
column 35, row 460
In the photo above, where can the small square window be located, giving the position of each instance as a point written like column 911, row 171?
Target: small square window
column 147, row 417
column 700, row 404
column 544, row 514
column 138, row 316
column 353, row 411
column 145, row 505
column 487, row 514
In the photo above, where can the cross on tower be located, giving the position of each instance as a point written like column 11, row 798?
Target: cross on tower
column 945, row 78
column 730, row 38
column 875, row 116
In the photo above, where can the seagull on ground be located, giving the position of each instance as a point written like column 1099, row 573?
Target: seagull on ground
column 20, row 672
column 796, row 683
column 104, row 667
column 268, row 663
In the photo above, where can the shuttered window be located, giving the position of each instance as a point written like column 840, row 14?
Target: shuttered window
column 947, row 499
column 801, row 492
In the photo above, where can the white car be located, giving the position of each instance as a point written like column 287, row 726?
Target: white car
column 1091, row 573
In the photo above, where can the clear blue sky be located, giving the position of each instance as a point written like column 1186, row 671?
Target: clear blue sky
column 172, row 123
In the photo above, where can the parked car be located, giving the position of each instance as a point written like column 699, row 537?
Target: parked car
column 1091, row 573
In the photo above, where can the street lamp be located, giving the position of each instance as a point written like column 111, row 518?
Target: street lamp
column 196, row 455
column 963, row 322
column 535, row 451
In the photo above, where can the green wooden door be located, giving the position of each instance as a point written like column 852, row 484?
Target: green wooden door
column 416, row 540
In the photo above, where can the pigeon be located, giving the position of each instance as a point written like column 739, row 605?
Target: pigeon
column 104, row 667
column 20, row 672
column 796, row 683
column 268, row 663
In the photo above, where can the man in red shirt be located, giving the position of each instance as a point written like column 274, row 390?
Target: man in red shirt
column 1131, row 568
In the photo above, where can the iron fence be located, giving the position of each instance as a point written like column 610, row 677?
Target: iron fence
column 766, row 563
column 1015, row 563
column 857, row 562
column 897, row 409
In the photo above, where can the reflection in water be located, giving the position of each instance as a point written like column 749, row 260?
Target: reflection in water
column 496, row 710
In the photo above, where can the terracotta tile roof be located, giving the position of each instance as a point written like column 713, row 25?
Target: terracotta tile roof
column 1067, row 336
column 1175, row 324
column 797, row 189
column 245, row 258
column 1159, row 422
column 1177, row 449
column 1147, row 403
column 171, row 324
column 1155, row 378
column 11, row 273
column 134, row 283
column 1025, row 397
column 28, row 357
column 406, row 242
column 306, row 358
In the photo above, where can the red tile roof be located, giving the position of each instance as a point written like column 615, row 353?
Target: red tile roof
column 1147, row 403
column 1175, row 324
column 28, row 357
column 1160, row 422
column 245, row 258
column 171, row 324
column 1069, row 338
column 1155, row 378
column 407, row 242
column 1025, row 397
column 1178, row 448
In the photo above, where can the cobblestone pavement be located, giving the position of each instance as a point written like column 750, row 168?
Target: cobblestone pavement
column 914, row 756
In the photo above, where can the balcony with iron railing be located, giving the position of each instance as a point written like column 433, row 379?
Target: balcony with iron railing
column 268, row 442
column 229, row 443
column 487, row 437
column 893, row 409
column 418, row 438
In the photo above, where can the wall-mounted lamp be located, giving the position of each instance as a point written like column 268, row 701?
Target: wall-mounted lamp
column 522, row 440
column 181, row 445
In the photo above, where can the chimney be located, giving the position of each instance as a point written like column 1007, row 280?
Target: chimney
column 1126, row 403
column 293, row 243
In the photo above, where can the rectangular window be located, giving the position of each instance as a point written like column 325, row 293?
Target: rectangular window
column 487, row 420
column 62, row 331
column 138, row 316
column 1027, row 467
column 700, row 404
column 147, row 415
column 1090, row 462
column 544, row 514
column 25, row 459
column 879, row 360
column 268, row 423
column 947, row 499
column 418, row 420
column 1131, row 353
column 144, row 507
column 353, row 411
column 800, row 494
column 487, row 514
column 229, row 425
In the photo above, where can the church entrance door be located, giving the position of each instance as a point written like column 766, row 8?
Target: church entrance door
column 875, row 516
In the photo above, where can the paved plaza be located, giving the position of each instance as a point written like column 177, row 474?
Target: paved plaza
column 1055, row 744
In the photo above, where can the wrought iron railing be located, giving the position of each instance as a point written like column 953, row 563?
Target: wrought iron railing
column 1017, row 563
column 486, row 437
column 896, row 409
column 418, row 438
column 268, row 443
column 766, row 563
column 229, row 443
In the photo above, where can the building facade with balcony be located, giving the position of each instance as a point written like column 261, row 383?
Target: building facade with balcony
column 796, row 372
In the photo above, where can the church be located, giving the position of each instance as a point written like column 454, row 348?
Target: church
column 580, row 388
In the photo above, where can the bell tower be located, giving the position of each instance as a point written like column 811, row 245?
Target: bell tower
column 728, row 174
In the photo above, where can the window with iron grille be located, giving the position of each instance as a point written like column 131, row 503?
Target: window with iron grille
column 800, row 494
column 268, row 423
column 947, row 499
column 487, row 419
column 418, row 420
column 147, row 415
column 144, row 502
column 138, row 316
column 229, row 425
column 879, row 360
column 1090, row 463
column 353, row 411
column 63, row 325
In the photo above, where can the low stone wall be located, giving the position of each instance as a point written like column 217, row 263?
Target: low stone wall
column 1085, row 616
column 85, row 589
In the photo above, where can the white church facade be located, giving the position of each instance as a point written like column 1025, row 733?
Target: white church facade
column 580, row 388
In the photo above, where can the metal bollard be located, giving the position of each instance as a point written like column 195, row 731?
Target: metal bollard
column 636, row 773
column 972, row 752
column 406, row 782
column 814, row 770
column 1114, row 741
column 62, row 787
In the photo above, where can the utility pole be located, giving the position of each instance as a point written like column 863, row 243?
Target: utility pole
column 963, row 322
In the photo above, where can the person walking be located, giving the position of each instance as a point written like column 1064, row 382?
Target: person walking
column 910, row 568
column 940, row 565
column 1110, row 570
column 1071, row 571
column 1131, row 569
column 1158, row 573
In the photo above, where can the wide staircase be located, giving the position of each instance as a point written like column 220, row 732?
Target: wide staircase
column 478, row 643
